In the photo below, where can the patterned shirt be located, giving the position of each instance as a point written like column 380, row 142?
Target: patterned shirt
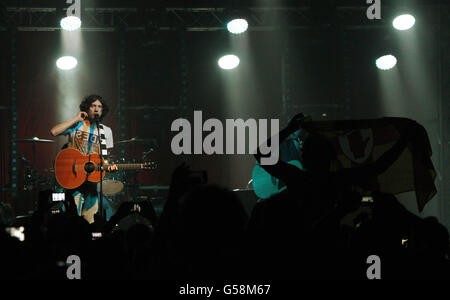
column 83, row 136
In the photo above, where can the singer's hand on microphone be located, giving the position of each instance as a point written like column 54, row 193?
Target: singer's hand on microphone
column 81, row 116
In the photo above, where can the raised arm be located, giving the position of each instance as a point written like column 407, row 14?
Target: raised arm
column 61, row 127
column 281, row 169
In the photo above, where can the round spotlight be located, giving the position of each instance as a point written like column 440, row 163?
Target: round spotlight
column 386, row 62
column 228, row 62
column 403, row 22
column 70, row 23
column 66, row 62
column 237, row 26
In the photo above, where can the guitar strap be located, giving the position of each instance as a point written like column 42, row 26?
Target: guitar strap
column 103, row 141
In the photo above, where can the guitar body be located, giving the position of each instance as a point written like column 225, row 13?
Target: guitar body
column 72, row 168
column 265, row 185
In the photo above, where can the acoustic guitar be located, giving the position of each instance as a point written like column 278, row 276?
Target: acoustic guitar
column 72, row 168
column 266, row 185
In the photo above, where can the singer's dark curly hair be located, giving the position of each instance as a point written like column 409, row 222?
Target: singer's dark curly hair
column 87, row 102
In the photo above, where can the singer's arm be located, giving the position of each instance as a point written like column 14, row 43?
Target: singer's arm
column 60, row 128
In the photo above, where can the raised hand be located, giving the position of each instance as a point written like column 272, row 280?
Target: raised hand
column 298, row 121
column 125, row 209
column 181, row 173
column 81, row 116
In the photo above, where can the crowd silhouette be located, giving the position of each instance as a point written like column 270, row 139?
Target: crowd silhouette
column 204, row 232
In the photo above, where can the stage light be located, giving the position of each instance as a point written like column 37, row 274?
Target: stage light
column 66, row 62
column 228, row 62
column 386, row 62
column 237, row 19
column 237, row 26
column 403, row 22
column 70, row 23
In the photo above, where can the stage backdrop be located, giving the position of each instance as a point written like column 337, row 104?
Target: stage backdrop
column 154, row 86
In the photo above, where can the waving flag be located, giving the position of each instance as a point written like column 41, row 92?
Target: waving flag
column 361, row 142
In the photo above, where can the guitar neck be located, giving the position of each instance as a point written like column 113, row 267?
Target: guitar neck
column 130, row 166
column 124, row 166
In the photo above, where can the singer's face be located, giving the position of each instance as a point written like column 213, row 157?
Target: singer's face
column 95, row 109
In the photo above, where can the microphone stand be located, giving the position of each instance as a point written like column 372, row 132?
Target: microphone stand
column 100, row 204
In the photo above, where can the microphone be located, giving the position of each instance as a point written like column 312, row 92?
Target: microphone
column 96, row 118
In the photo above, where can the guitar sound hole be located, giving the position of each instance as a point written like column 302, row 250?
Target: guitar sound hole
column 89, row 167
